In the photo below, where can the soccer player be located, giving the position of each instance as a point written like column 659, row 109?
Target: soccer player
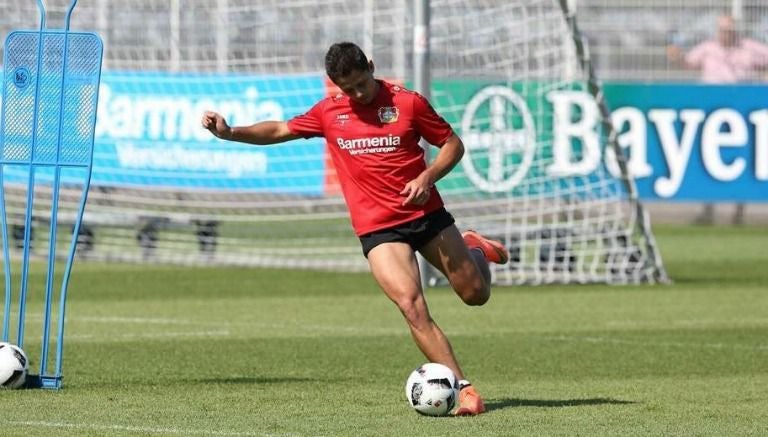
column 372, row 129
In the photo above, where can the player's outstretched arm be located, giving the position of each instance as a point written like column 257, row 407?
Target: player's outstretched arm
column 262, row 133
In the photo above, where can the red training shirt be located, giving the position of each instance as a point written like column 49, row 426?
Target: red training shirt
column 375, row 149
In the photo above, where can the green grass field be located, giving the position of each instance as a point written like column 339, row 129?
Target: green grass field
column 156, row 350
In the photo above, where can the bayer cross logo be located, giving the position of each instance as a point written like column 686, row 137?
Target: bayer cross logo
column 498, row 131
column 21, row 77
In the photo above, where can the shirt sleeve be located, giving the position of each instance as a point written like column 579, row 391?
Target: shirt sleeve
column 759, row 52
column 309, row 124
column 695, row 57
column 429, row 124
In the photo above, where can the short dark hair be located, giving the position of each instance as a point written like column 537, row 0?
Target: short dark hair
column 343, row 58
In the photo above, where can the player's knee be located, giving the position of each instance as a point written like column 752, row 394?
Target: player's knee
column 476, row 294
column 414, row 311
column 477, row 298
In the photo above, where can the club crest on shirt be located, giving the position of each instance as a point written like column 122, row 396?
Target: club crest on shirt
column 388, row 114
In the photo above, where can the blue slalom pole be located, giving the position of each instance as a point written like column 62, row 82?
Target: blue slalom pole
column 7, row 258
column 55, row 205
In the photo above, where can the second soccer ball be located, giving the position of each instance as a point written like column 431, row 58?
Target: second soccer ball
column 13, row 366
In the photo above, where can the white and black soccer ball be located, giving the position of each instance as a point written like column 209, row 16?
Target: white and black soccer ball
column 432, row 389
column 13, row 366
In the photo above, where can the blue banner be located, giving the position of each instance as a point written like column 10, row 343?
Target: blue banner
column 148, row 133
column 694, row 142
column 685, row 142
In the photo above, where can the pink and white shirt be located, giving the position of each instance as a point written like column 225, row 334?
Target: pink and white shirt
column 719, row 64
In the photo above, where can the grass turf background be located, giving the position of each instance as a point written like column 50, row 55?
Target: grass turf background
column 159, row 350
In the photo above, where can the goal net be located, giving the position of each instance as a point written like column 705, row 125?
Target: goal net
column 542, row 171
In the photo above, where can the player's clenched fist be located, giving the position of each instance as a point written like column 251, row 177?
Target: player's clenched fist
column 215, row 123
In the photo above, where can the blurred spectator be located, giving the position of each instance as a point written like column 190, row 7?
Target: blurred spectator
column 727, row 58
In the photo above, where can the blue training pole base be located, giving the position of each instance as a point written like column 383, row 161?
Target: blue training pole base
column 43, row 381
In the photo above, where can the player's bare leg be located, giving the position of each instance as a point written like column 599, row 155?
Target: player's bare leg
column 463, row 259
column 466, row 269
column 395, row 268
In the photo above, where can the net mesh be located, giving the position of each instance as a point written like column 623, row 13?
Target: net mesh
column 538, row 173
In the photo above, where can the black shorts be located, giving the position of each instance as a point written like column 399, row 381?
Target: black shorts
column 416, row 232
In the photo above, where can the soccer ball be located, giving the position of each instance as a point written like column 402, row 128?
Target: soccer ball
column 432, row 389
column 13, row 366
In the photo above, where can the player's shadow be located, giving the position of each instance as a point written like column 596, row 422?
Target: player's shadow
column 498, row 404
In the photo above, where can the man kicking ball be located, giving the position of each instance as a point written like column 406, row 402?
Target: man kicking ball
column 373, row 129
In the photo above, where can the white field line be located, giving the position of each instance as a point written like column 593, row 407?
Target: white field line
column 116, row 319
column 250, row 324
column 133, row 429
column 301, row 329
column 295, row 327
column 677, row 344
column 689, row 323
column 139, row 320
column 254, row 323
column 147, row 336
column 175, row 321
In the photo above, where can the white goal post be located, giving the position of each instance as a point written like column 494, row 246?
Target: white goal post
column 542, row 172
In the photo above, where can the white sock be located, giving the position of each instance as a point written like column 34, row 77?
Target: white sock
column 464, row 383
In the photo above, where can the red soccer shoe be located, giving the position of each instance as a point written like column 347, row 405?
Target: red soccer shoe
column 493, row 250
column 470, row 403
